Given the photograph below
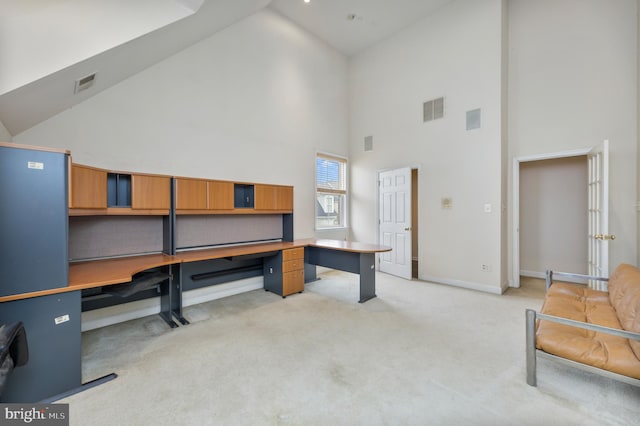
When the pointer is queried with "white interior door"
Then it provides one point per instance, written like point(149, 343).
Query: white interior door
point(395, 221)
point(599, 236)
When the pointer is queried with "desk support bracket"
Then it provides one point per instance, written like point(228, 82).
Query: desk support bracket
point(176, 299)
point(167, 296)
point(82, 387)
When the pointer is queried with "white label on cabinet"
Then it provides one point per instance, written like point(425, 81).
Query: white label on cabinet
point(35, 165)
point(61, 319)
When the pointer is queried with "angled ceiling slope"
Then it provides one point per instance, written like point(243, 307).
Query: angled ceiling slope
point(33, 93)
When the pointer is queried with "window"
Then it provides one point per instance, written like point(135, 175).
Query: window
point(331, 191)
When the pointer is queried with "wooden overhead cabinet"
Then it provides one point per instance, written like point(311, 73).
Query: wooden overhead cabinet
point(273, 197)
point(88, 188)
point(220, 195)
point(191, 194)
point(150, 192)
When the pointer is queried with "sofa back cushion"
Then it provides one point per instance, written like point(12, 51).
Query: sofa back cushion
point(624, 294)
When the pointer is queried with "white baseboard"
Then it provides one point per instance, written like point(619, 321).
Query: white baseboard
point(465, 284)
point(142, 308)
point(543, 276)
point(533, 274)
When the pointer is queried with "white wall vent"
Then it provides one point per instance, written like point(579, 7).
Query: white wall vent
point(433, 109)
point(368, 143)
point(474, 119)
point(85, 82)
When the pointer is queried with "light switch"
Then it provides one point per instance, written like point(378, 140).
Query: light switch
point(487, 208)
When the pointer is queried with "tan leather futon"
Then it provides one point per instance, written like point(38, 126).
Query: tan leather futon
point(603, 330)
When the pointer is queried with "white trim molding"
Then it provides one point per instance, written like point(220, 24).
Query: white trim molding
point(515, 203)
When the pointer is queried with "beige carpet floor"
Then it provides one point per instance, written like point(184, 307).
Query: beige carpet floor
point(418, 354)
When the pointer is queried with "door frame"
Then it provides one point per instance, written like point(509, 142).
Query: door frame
point(515, 203)
point(417, 167)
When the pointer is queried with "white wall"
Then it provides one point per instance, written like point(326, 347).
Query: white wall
point(5, 136)
point(572, 83)
point(252, 103)
point(455, 53)
point(553, 216)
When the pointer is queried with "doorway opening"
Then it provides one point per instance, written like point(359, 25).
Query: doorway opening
point(549, 208)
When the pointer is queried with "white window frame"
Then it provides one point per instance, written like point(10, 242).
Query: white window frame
point(324, 191)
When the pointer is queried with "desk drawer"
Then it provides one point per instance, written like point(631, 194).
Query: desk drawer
point(291, 254)
point(293, 265)
point(292, 282)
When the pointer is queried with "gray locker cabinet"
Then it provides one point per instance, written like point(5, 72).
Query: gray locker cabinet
point(33, 220)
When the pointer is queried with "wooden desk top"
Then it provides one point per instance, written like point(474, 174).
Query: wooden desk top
point(221, 252)
point(98, 273)
point(342, 245)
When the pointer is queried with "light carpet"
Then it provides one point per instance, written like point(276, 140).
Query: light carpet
point(418, 354)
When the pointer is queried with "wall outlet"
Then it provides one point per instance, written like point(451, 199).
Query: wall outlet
point(486, 268)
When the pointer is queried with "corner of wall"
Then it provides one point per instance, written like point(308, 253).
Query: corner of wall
point(5, 136)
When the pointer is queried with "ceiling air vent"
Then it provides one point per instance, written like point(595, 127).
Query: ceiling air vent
point(368, 143)
point(433, 109)
point(84, 82)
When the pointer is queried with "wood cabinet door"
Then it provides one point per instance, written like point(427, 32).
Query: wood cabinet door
point(220, 195)
point(88, 188)
point(273, 197)
point(284, 198)
point(191, 194)
point(265, 197)
point(150, 192)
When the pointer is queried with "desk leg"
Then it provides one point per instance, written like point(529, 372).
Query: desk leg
point(367, 277)
point(176, 304)
point(166, 300)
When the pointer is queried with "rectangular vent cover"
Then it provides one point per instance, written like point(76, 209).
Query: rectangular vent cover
point(433, 109)
point(474, 119)
point(84, 82)
point(368, 143)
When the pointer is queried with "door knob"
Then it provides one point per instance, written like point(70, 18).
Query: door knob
point(407, 229)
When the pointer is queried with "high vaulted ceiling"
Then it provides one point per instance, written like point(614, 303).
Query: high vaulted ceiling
point(46, 45)
point(353, 25)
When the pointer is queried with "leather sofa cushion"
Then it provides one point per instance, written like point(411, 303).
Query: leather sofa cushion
point(624, 293)
point(588, 347)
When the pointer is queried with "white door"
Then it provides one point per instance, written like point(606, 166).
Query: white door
point(599, 214)
point(395, 221)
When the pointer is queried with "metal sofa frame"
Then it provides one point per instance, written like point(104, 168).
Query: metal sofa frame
point(532, 353)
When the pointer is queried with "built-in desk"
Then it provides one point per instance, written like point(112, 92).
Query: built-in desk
point(63, 303)
point(96, 273)
point(349, 256)
point(53, 318)
point(121, 270)
point(358, 258)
